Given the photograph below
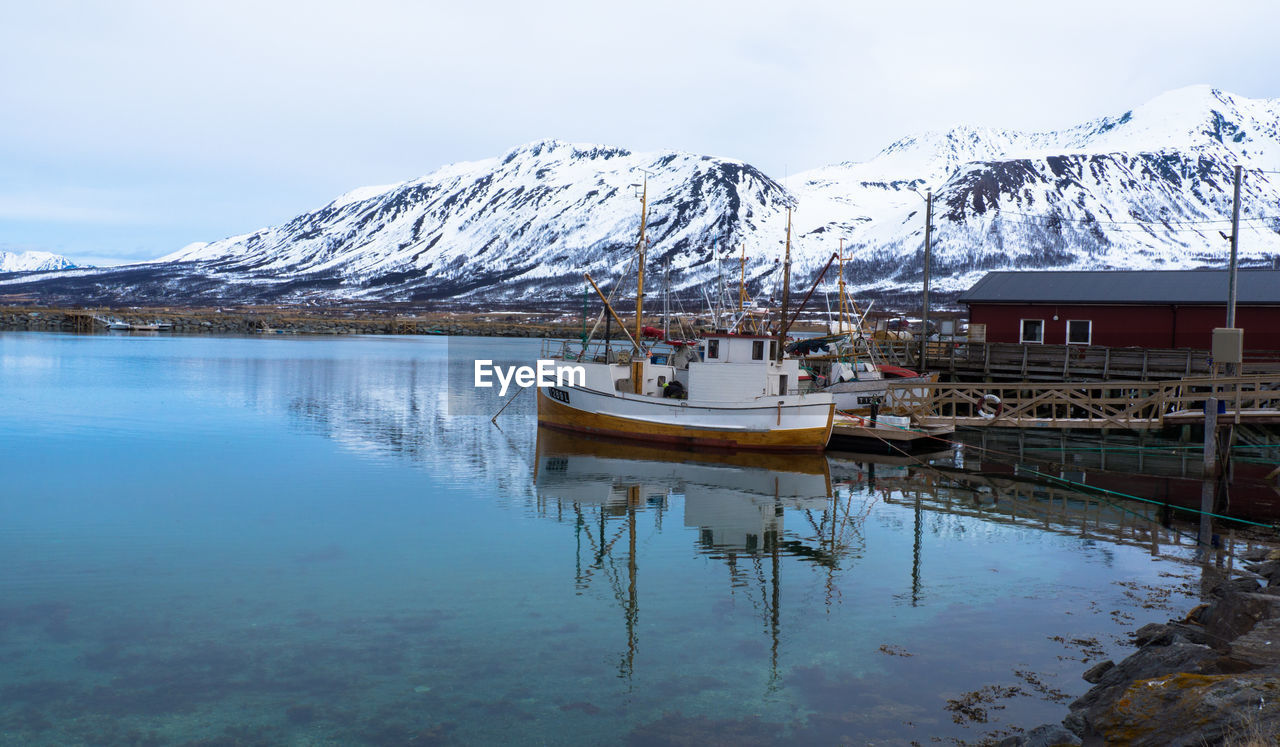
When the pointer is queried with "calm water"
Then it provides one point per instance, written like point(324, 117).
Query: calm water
point(292, 541)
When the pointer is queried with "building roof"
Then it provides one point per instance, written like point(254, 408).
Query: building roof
point(1124, 287)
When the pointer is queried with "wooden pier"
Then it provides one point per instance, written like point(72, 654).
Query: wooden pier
point(1125, 405)
point(964, 359)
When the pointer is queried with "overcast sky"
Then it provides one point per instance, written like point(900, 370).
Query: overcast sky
point(129, 129)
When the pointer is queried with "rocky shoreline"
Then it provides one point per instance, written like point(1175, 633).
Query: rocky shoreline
point(231, 322)
point(1210, 678)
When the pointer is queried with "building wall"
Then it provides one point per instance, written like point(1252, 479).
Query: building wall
point(1133, 326)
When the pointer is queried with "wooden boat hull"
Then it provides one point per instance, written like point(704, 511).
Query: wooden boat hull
point(806, 427)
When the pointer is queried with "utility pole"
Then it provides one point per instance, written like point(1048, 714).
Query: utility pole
point(840, 315)
point(1235, 245)
point(786, 294)
point(928, 253)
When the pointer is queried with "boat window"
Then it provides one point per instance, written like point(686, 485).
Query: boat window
point(1032, 330)
point(773, 350)
point(757, 350)
point(713, 348)
point(1079, 331)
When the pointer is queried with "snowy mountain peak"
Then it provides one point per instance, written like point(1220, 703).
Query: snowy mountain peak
point(551, 148)
point(33, 261)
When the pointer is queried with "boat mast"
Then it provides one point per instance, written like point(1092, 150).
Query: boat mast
point(842, 301)
point(644, 216)
point(742, 279)
point(786, 293)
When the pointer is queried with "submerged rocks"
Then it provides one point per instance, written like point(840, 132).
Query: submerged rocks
point(1045, 735)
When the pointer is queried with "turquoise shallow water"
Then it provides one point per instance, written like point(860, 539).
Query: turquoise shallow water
point(294, 541)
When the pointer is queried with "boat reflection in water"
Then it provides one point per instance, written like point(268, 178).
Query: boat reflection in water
point(736, 504)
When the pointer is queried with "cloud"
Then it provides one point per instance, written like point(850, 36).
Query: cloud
point(32, 208)
point(241, 113)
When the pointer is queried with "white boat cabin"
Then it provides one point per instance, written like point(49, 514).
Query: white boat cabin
point(720, 368)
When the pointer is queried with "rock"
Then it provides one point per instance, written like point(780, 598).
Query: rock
point(1260, 646)
point(1267, 569)
point(1149, 662)
point(1235, 614)
point(1157, 633)
point(1049, 735)
point(1192, 709)
point(1184, 632)
point(1097, 670)
point(1247, 585)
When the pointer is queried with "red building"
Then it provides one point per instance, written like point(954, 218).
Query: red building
point(1125, 308)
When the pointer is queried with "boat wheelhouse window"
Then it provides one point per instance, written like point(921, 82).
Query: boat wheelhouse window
point(713, 348)
point(773, 350)
point(1032, 331)
point(757, 350)
point(1079, 331)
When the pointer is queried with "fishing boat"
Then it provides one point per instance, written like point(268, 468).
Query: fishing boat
point(725, 390)
point(121, 325)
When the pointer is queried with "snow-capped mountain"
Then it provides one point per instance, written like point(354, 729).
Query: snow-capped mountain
point(32, 261)
point(531, 221)
point(1149, 188)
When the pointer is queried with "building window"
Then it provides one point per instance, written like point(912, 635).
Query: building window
point(757, 350)
point(713, 348)
point(1079, 331)
point(1032, 330)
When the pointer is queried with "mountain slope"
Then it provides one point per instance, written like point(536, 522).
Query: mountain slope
point(1149, 188)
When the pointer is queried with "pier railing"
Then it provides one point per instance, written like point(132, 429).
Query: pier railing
point(1133, 405)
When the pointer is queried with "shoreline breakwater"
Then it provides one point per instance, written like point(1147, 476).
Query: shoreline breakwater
point(242, 321)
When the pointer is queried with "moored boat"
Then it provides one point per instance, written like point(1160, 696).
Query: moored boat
point(727, 390)
point(717, 394)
